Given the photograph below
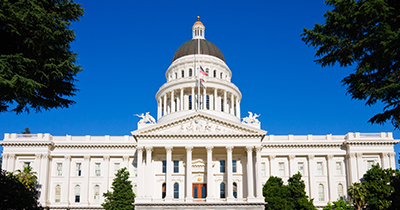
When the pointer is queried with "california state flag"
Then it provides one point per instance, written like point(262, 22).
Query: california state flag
point(203, 74)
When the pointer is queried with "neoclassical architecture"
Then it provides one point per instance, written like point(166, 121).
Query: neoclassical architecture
point(199, 153)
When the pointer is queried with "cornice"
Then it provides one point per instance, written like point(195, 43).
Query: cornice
point(95, 146)
point(16, 143)
point(302, 145)
point(197, 136)
point(370, 143)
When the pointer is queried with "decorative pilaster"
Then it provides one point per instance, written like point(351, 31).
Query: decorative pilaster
point(181, 108)
point(232, 109)
point(237, 108)
point(229, 182)
point(189, 196)
point(259, 193)
point(291, 164)
point(106, 160)
point(11, 160)
point(193, 99)
point(140, 175)
point(87, 164)
point(392, 159)
point(225, 103)
point(204, 99)
point(311, 176)
point(159, 109)
point(352, 168)
point(148, 178)
point(172, 102)
point(168, 174)
point(385, 160)
point(273, 166)
point(250, 183)
point(165, 105)
point(360, 165)
point(5, 161)
point(68, 177)
point(210, 175)
point(216, 99)
point(331, 179)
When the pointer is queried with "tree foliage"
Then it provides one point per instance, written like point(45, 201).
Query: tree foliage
point(27, 177)
point(357, 194)
point(286, 197)
point(37, 66)
point(122, 196)
point(366, 34)
point(14, 194)
point(339, 205)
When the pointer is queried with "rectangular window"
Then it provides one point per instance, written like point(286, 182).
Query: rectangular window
point(59, 169)
point(164, 166)
point(319, 168)
point(338, 168)
point(281, 169)
point(190, 102)
point(208, 102)
point(27, 164)
point(97, 169)
point(176, 166)
point(263, 169)
point(369, 164)
point(79, 169)
point(135, 167)
point(116, 167)
point(234, 170)
point(222, 166)
point(222, 105)
point(300, 168)
point(183, 74)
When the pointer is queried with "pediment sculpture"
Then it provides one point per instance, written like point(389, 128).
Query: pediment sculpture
point(146, 119)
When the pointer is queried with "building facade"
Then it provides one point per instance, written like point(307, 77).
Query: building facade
point(199, 153)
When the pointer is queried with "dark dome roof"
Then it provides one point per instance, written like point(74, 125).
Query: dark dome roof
point(206, 48)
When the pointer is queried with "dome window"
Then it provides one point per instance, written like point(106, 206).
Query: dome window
point(190, 72)
point(215, 73)
point(183, 73)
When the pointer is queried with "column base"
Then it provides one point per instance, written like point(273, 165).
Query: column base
point(188, 199)
point(210, 199)
point(252, 199)
point(230, 199)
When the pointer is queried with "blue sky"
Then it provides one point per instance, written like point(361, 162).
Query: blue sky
point(125, 47)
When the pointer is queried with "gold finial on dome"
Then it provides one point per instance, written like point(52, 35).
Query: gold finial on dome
point(198, 18)
point(198, 21)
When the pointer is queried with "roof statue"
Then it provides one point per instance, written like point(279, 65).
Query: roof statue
point(146, 119)
point(251, 119)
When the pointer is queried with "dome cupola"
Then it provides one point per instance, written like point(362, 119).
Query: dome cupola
point(198, 29)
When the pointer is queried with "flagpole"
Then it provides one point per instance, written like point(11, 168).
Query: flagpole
point(193, 97)
point(198, 73)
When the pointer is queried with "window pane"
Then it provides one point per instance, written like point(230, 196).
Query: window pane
point(222, 190)
point(222, 166)
point(340, 191)
point(78, 169)
point(58, 193)
point(281, 169)
point(164, 166)
point(176, 166)
point(321, 192)
point(97, 169)
point(263, 169)
point(369, 164)
point(176, 190)
point(301, 167)
point(163, 190)
point(319, 168)
point(190, 72)
point(234, 166)
point(195, 191)
point(338, 168)
point(190, 102)
point(235, 190)
point(59, 169)
point(96, 193)
point(203, 191)
point(77, 193)
point(116, 167)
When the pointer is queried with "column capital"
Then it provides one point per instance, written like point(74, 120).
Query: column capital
point(86, 157)
point(249, 148)
point(272, 157)
point(189, 148)
point(38, 156)
point(169, 148)
point(45, 156)
point(229, 148)
point(5, 156)
point(149, 148)
point(292, 157)
point(209, 148)
point(392, 154)
point(125, 157)
point(359, 154)
point(106, 157)
point(385, 154)
point(351, 155)
point(311, 157)
point(329, 157)
point(258, 148)
point(67, 157)
point(140, 148)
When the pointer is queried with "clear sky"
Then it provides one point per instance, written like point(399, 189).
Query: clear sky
point(125, 48)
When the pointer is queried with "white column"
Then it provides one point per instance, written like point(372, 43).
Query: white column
point(149, 175)
point(189, 196)
point(5, 162)
point(204, 98)
point(193, 99)
point(352, 168)
point(168, 174)
point(272, 165)
point(172, 102)
point(165, 105)
point(259, 184)
point(215, 99)
point(292, 165)
point(106, 160)
point(360, 165)
point(229, 172)
point(140, 181)
point(182, 107)
point(385, 160)
point(68, 175)
point(237, 108)
point(311, 175)
point(87, 164)
point(44, 178)
point(225, 103)
point(331, 179)
point(249, 176)
point(11, 159)
point(159, 109)
point(232, 109)
point(178, 103)
point(126, 161)
point(392, 160)
point(210, 175)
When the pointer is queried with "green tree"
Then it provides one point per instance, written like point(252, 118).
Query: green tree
point(122, 196)
point(363, 33)
point(379, 187)
point(37, 66)
point(339, 205)
point(27, 177)
point(297, 194)
point(357, 194)
point(14, 194)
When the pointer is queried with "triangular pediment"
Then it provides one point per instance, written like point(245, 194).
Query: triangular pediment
point(199, 124)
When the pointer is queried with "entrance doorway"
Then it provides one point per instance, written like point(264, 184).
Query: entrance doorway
point(199, 190)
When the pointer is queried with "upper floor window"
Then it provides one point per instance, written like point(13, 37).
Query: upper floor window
point(176, 75)
point(369, 164)
point(163, 190)
point(116, 167)
point(222, 105)
point(190, 102)
point(190, 72)
point(222, 190)
point(235, 190)
point(183, 73)
point(222, 166)
point(164, 166)
point(79, 169)
point(97, 169)
point(176, 190)
point(340, 191)
point(234, 170)
point(135, 167)
point(176, 166)
point(207, 102)
point(207, 71)
point(96, 193)
point(281, 169)
point(220, 75)
point(300, 167)
point(319, 168)
point(215, 73)
point(338, 168)
point(27, 164)
point(77, 194)
point(58, 194)
point(262, 169)
point(59, 169)
point(321, 196)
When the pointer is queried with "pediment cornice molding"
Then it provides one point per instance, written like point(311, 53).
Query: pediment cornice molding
point(16, 143)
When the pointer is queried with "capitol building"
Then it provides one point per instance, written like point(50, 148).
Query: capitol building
point(199, 152)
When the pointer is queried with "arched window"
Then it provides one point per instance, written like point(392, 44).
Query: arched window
point(135, 189)
point(77, 194)
point(183, 73)
point(190, 72)
point(195, 188)
point(220, 75)
point(340, 191)
point(208, 102)
point(58, 193)
point(176, 75)
point(321, 196)
point(235, 190)
point(222, 105)
point(222, 190)
point(164, 186)
point(203, 191)
point(96, 193)
point(215, 73)
point(176, 190)
point(190, 102)
point(207, 71)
